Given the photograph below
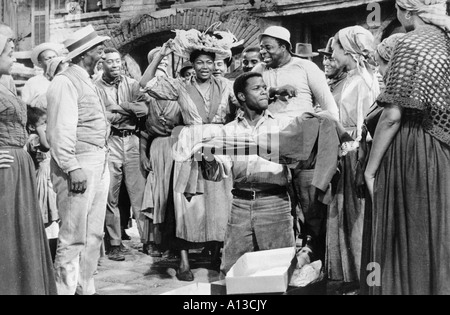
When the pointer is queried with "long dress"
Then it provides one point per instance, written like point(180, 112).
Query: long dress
point(346, 213)
point(204, 217)
point(25, 262)
point(411, 217)
point(162, 118)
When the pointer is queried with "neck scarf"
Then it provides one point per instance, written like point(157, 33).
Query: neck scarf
point(360, 44)
point(333, 82)
point(116, 82)
point(430, 11)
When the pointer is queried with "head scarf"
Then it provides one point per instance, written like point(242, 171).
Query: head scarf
point(387, 46)
point(3, 42)
point(53, 66)
point(360, 44)
point(430, 11)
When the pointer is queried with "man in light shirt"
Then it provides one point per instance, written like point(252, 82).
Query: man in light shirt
point(78, 130)
point(261, 216)
point(34, 92)
point(125, 105)
point(295, 86)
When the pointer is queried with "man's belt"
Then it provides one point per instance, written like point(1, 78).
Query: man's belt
point(253, 195)
point(122, 133)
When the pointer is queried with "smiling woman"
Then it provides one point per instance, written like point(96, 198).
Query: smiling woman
point(27, 272)
point(209, 102)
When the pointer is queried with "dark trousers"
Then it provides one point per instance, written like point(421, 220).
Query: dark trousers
point(314, 212)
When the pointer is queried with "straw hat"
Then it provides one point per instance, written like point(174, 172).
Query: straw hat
point(38, 50)
point(305, 50)
point(83, 40)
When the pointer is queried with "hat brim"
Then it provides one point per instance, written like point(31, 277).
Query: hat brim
point(40, 49)
point(86, 47)
point(324, 52)
point(309, 55)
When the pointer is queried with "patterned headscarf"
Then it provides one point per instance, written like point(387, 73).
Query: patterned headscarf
point(360, 44)
point(430, 11)
point(387, 46)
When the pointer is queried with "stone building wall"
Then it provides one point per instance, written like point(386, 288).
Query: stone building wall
point(137, 26)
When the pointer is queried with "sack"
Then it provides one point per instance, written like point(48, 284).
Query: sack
point(372, 118)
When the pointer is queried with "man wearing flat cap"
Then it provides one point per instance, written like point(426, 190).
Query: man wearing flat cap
point(35, 90)
point(77, 132)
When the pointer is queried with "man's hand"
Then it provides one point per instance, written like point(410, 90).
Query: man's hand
point(167, 48)
point(78, 181)
point(5, 159)
point(146, 165)
point(285, 92)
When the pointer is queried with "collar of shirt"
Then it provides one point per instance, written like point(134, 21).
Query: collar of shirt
point(82, 71)
point(291, 60)
point(266, 116)
point(115, 82)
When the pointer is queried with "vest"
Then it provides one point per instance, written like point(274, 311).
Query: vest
point(93, 126)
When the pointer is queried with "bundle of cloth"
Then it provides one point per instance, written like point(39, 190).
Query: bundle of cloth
point(292, 143)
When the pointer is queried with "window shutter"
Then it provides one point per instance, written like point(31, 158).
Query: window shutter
point(111, 4)
point(40, 18)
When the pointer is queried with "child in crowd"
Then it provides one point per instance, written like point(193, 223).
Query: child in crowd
point(39, 148)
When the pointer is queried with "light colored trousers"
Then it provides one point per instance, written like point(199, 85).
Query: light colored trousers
point(124, 164)
point(82, 223)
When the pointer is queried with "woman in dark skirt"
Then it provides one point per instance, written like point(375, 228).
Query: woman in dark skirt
point(408, 173)
point(25, 261)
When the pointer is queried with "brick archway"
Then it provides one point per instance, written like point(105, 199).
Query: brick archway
point(134, 32)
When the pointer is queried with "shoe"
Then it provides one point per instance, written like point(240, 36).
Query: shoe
point(186, 276)
point(124, 250)
point(115, 254)
point(168, 254)
point(154, 251)
point(145, 249)
point(125, 236)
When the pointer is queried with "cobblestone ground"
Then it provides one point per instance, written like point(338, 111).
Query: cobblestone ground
point(141, 274)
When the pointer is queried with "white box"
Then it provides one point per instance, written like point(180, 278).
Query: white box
point(193, 289)
point(262, 272)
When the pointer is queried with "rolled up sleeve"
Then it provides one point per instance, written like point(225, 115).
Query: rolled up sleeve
point(138, 105)
point(162, 88)
point(62, 121)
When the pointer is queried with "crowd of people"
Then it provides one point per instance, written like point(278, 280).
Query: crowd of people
point(359, 170)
